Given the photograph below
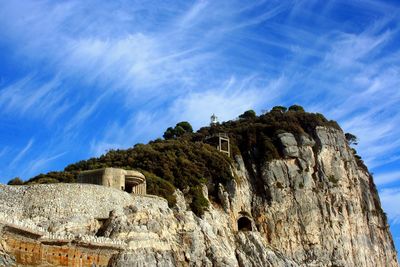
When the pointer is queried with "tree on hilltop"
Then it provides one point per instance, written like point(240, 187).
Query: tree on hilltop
point(169, 133)
point(180, 129)
point(351, 139)
point(296, 108)
point(186, 126)
point(15, 181)
point(249, 114)
point(279, 108)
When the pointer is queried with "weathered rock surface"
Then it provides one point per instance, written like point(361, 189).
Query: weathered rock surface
point(315, 207)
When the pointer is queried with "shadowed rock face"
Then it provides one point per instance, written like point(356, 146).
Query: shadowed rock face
point(319, 209)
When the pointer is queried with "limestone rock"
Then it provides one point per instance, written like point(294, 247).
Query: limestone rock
point(6, 259)
point(289, 144)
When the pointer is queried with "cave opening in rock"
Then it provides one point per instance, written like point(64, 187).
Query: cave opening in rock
point(102, 226)
point(244, 224)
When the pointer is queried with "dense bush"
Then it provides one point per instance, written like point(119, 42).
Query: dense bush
point(15, 181)
point(199, 203)
point(249, 114)
point(279, 108)
point(296, 108)
point(180, 129)
point(160, 187)
point(169, 133)
point(53, 177)
point(185, 126)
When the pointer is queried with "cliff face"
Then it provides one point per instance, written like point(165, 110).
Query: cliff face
point(321, 208)
point(314, 207)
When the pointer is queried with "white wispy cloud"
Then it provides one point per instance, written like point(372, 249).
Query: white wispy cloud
point(29, 97)
point(390, 199)
point(144, 125)
point(193, 13)
point(22, 153)
point(4, 151)
point(228, 100)
point(351, 48)
point(40, 163)
point(382, 179)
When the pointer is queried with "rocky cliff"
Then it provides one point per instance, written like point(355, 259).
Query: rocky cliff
point(315, 206)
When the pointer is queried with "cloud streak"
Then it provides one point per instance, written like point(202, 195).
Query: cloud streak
point(390, 199)
point(42, 162)
point(387, 178)
point(22, 153)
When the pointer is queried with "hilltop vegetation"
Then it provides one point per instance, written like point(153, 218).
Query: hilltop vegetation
point(184, 160)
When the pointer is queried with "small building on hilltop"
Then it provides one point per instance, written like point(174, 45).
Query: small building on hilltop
point(127, 180)
point(221, 142)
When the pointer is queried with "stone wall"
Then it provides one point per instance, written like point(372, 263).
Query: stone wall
point(61, 200)
point(35, 253)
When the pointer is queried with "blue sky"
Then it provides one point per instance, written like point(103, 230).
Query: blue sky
point(80, 77)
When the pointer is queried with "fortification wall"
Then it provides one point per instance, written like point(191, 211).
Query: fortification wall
point(110, 177)
point(61, 200)
point(91, 177)
point(31, 252)
point(114, 178)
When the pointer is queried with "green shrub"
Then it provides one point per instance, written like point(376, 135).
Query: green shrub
point(15, 181)
point(199, 202)
point(160, 187)
point(296, 108)
point(169, 133)
point(333, 179)
point(53, 177)
point(249, 114)
point(46, 180)
point(185, 126)
point(180, 129)
point(279, 108)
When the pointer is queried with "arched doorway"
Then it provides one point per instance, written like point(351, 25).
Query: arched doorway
point(244, 224)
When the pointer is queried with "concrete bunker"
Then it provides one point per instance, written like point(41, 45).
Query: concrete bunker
point(127, 180)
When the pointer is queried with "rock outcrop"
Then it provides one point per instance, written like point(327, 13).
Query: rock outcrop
point(314, 207)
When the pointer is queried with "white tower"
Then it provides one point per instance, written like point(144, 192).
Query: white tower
point(214, 119)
